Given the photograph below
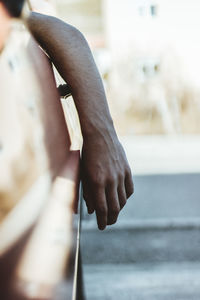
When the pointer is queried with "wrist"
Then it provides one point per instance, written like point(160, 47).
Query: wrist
point(105, 130)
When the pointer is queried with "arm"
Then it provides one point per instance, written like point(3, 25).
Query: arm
point(107, 180)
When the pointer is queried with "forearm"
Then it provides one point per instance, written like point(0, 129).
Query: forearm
point(72, 57)
point(106, 176)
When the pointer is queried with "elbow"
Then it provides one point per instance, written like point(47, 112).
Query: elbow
point(76, 34)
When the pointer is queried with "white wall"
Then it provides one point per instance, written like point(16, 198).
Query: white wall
point(176, 27)
point(139, 40)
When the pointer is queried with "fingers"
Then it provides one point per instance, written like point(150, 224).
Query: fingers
point(117, 197)
point(107, 197)
point(87, 195)
point(107, 200)
point(122, 194)
point(101, 208)
point(113, 204)
point(89, 203)
point(129, 186)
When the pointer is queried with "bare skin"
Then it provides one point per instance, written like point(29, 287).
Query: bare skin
point(106, 175)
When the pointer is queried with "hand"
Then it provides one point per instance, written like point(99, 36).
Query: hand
point(106, 177)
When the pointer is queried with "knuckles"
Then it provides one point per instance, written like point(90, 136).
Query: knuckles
point(106, 175)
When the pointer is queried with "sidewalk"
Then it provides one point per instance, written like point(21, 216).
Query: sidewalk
point(163, 154)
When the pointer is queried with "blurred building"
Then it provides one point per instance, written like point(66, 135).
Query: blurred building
point(155, 48)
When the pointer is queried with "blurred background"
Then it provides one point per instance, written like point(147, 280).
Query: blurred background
point(148, 53)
